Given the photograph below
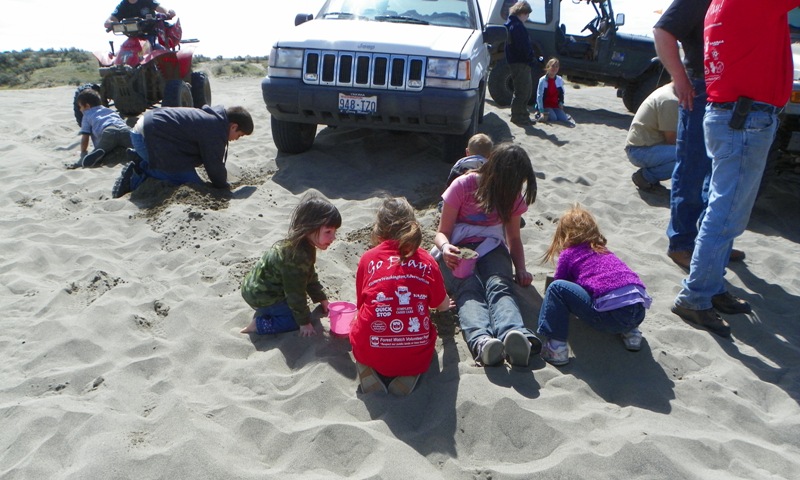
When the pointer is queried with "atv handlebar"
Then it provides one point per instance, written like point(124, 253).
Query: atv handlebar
point(136, 26)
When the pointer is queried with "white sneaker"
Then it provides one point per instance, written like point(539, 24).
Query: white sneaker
point(632, 340)
point(517, 348)
point(557, 356)
point(490, 351)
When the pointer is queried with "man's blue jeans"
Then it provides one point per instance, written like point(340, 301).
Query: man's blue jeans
point(690, 177)
point(738, 160)
point(175, 178)
point(563, 298)
point(656, 161)
point(485, 299)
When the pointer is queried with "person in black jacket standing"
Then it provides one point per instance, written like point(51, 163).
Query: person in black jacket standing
point(520, 58)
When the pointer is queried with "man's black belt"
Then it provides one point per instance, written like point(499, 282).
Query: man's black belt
point(757, 106)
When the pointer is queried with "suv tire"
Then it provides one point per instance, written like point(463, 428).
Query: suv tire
point(292, 137)
point(637, 91)
point(500, 87)
point(454, 145)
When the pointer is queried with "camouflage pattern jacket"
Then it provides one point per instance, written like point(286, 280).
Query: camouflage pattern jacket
point(283, 273)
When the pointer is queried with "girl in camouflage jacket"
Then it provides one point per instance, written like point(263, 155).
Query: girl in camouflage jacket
point(277, 285)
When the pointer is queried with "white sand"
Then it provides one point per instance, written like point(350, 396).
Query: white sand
point(122, 357)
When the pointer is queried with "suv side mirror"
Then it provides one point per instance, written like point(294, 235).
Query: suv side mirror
point(495, 34)
point(620, 21)
point(302, 18)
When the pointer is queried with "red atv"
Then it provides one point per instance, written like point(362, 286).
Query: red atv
point(149, 68)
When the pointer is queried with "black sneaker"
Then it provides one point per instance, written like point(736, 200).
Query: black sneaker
point(136, 160)
point(93, 158)
point(123, 183)
point(523, 121)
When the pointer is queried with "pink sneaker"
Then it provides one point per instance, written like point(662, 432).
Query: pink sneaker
point(557, 356)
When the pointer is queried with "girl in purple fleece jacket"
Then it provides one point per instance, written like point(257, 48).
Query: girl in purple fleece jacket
point(591, 283)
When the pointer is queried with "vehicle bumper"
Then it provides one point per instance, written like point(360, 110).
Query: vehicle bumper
point(432, 110)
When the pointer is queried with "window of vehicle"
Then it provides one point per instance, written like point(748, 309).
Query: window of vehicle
point(541, 10)
point(448, 13)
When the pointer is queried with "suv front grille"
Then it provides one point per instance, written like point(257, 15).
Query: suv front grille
point(364, 70)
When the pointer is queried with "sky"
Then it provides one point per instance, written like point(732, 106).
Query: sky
point(251, 29)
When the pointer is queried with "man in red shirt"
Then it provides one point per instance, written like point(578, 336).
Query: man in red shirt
point(748, 80)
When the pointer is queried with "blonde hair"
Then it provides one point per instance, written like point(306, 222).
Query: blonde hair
point(551, 62)
point(480, 144)
point(520, 8)
point(396, 221)
point(576, 226)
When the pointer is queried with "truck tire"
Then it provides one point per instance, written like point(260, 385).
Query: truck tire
point(500, 88)
point(177, 94)
point(454, 145)
point(75, 108)
point(636, 92)
point(292, 137)
point(201, 89)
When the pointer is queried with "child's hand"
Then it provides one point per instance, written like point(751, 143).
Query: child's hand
point(446, 304)
point(451, 255)
point(324, 304)
point(524, 278)
point(307, 330)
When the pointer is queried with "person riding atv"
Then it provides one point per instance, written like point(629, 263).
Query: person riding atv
point(150, 66)
point(136, 8)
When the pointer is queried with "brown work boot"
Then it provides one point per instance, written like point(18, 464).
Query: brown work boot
point(730, 303)
point(708, 319)
point(682, 258)
point(736, 255)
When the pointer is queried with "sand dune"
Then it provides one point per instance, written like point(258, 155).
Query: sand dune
point(121, 319)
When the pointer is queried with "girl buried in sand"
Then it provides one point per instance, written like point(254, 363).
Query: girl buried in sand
point(277, 285)
point(591, 283)
point(397, 283)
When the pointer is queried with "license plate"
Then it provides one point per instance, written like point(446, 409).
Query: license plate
point(358, 104)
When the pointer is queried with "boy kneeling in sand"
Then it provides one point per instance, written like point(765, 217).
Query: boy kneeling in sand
point(104, 126)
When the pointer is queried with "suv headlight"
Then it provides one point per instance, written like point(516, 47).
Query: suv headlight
point(448, 73)
point(285, 62)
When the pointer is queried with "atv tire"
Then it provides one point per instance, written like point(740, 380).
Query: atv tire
point(292, 137)
point(177, 94)
point(637, 91)
point(201, 89)
point(75, 107)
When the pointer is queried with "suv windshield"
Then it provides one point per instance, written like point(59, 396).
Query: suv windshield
point(446, 13)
